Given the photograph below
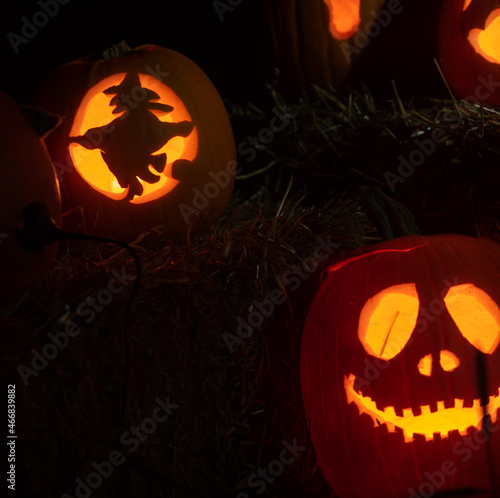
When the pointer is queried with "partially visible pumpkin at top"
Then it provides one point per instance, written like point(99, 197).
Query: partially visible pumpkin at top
point(146, 140)
point(306, 41)
point(469, 48)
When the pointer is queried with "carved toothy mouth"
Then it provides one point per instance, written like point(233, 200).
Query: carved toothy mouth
point(442, 421)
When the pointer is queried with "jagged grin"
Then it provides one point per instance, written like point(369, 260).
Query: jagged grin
point(442, 421)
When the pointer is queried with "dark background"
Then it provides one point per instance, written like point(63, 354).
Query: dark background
point(81, 28)
point(231, 51)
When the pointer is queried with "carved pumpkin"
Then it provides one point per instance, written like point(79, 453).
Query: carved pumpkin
point(307, 41)
point(469, 47)
point(27, 177)
point(400, 364)
point(146, 140)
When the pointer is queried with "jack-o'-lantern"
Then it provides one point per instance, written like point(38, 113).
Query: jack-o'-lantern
point(28, 178)
point(400, 368)
point(145, 141)
point(307, 41)
point(469, 48)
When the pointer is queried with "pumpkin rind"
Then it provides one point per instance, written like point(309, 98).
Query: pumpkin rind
point(212, 169)
point(298, 42)
point(27, 177)
point(362, 457)
point(469, 75)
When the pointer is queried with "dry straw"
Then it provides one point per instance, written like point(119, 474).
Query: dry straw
point(235, 407)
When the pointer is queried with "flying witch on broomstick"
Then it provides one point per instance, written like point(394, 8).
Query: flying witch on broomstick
point(122, 145)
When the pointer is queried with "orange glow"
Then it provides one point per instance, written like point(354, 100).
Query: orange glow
point(387, 320)
point(425, 365)
point(466, 4)
point(442, 421)
point(448, 360)
point(344, 17)
point(476, 315)
point(95, 111)
point(487, 42)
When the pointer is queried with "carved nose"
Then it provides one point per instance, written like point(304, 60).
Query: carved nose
point(447, 360)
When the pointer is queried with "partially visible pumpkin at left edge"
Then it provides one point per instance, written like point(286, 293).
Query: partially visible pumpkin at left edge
point(27, 177)
point(145, 141)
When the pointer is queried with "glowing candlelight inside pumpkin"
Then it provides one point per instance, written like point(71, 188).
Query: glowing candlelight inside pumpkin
point(486, 42)
point(344, 17)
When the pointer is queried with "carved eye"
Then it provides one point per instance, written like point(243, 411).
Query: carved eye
point(388, 319)
point(344, 18)
point(476, 315)
point(485, 41)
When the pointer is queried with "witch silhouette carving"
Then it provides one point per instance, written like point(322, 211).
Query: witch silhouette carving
point(123, 148)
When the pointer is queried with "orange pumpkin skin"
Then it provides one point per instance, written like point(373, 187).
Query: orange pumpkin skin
point(469, 74)
point(27, 177)
point(294, 37)
point(203, 180)
point(366, 450)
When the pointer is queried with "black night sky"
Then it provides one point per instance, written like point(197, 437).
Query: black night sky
point(226, 43)
point(78, 29)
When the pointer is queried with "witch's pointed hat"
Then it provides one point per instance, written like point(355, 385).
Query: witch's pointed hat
point(129, 87)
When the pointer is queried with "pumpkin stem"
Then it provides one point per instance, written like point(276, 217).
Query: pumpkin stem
point(41, 121)
point(118, 50)
point(392, 218)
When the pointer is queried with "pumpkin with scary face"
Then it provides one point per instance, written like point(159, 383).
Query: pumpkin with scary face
point(145, 141)
point(400, 368)
point(469, 48)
